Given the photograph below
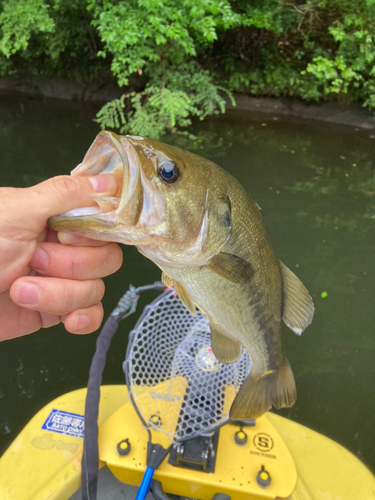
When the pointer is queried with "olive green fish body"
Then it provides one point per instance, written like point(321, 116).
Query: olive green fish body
point(196, 222)
point(249, 312)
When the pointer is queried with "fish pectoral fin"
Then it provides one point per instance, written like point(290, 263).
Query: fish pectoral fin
point(231, 267)
point(185, 298)
point(257, 395)
point(298, 309)
point(225, 349)
point(166, 279)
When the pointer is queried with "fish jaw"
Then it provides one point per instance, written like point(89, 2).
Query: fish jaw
point(102, 227)
point(125, 217)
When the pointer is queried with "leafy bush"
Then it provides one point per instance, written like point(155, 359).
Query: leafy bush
point(156, 42)
point(350, 71)
point(19, 20)
point(176, 59)
point(322, 49)
point(159, 108)
point(49, 38)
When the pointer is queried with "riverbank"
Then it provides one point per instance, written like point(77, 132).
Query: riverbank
point(353, 115)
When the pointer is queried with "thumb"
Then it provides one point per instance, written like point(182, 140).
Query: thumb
point(60, 194)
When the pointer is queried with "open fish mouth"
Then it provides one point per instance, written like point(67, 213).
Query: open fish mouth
point(133, 215)
point(109, 154)
point(105, 156)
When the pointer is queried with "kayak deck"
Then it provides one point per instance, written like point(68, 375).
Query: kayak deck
point(44, 462)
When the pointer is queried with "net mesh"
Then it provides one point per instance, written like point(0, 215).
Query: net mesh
point(175, 381)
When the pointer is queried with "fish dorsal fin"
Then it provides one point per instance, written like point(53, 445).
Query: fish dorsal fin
point(231, 267)
point(298, 310)
point(225, 349)
point(185, 298)
point(166, 279)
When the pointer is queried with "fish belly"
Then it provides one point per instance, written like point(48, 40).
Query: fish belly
point(235, 313)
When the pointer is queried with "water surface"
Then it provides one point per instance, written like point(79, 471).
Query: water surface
point(315, 183)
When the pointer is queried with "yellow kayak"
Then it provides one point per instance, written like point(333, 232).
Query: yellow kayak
point(276, 458)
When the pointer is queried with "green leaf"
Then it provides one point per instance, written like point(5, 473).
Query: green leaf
point(19, 19)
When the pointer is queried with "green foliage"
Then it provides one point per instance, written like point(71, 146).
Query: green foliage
point(351, 69)
point(324, 49)
point(140, 33)
point(156, 41)
point(19, 19)
point(53, 38)
point(178, 58)
point(158, 109)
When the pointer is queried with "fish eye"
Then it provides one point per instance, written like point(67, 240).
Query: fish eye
point(168, 172)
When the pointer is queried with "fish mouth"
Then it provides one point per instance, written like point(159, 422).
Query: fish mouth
point(116, 155)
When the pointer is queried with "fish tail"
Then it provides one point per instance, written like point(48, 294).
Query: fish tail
point(257, 395)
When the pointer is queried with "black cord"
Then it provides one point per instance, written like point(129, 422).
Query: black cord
point(90, 457)
point(157, 490)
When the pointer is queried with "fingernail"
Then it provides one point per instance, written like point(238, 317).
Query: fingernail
point(39, 260)
point(104, 183)
point(81, 322)
point(27, 293)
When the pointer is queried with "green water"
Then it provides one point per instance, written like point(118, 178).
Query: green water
point(320, 211)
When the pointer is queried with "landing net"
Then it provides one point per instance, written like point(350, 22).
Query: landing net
point(174, 379)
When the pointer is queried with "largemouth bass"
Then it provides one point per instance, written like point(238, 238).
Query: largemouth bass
point(196, 222)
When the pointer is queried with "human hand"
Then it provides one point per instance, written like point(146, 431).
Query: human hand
point(42, 281)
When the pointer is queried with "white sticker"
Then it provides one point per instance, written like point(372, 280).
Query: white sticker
point(66, 423)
